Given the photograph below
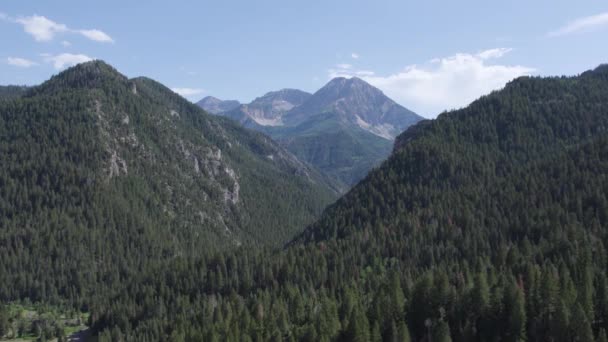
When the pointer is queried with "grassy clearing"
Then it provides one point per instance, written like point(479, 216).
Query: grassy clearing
point(32, 322)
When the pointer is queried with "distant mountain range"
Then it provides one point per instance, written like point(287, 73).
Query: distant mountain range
point(344, 129)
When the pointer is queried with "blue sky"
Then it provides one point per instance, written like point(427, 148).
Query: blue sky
point(428, 56)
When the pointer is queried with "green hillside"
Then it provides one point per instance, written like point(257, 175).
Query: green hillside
point(103, 175)
point(487, 224)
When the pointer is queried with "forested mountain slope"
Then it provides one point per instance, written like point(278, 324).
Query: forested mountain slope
point(11, 92)
point(101, 175)
point(451, 169)
point(488, 223)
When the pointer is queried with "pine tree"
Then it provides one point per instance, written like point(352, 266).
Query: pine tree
point(601, 337)
point(404, 333)
point(441, 333)
point(516, 311)
point(358, 326)
point(4, 324)
point(561, 326)
point(396, 297)
point(581, 327)
point(376, 335)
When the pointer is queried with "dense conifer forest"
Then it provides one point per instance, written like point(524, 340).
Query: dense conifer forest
point(486, 224)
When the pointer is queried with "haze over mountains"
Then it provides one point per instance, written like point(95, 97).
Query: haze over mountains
point(344, 129)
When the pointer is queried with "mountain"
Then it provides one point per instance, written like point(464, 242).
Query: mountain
point(357, 102)
point(344, 129)
point(269, 109)
point(102, 174)
point(215, 106)
point(183, 167)
point(495, 213)
point(487, 224)
point(467, 152)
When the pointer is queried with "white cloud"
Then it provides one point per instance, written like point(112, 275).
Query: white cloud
point(186, 92)
point(493, 53)
point(96, 35)
point(585, 24)
point(66, 43)
point(20, 62)
point(44, 29)
point(443, 83)
point(65, 60)
point(41, 28)
point(354, 55)
point(344, 66)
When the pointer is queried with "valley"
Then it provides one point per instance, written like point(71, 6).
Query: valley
point(313, 171)
point(344, 129)
point(479, 224)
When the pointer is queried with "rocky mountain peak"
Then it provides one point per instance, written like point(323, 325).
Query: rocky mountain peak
point(357, 102)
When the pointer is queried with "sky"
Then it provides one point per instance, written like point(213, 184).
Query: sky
point(429, 56)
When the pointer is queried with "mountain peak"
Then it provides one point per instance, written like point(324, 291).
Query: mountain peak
point(214, 105)
point(355, 101)
point(341, 80)
point(87, 75)
point(293, 96)
point(352, 87)
point(94, 68)
point(210, 99)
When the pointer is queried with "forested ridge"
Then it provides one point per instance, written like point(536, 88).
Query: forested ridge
point(486, 224)
point(11, 92)
point(102, 176)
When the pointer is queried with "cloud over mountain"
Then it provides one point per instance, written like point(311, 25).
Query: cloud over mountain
point(443, 83)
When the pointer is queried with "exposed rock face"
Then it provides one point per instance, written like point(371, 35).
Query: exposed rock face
point(117, 165)
point(355, 101)
point(344, 129)
point(232, 195)
point(269, 109)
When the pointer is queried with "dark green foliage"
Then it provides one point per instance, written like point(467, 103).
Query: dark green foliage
point(12, 92)
point(4, 323)
point(102, 177)
point(441, 333)
point(487, 224)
